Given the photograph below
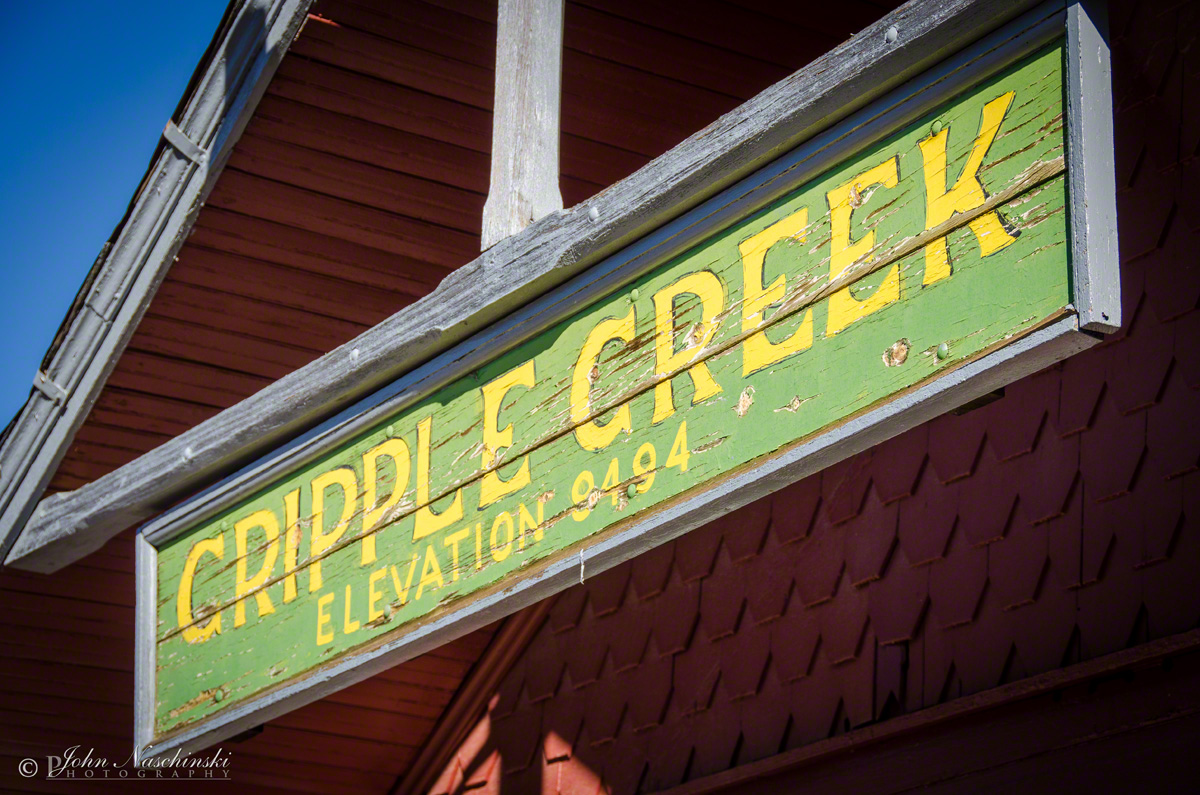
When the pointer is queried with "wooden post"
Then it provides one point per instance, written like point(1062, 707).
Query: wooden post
point(525, 121)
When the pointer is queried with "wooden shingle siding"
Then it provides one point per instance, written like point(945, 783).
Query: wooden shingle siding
point(359, 183)
point(357, 186)
point(975, 563)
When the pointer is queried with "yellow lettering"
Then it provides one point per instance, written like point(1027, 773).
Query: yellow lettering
point(194, 632)
point(643, 467)
point(430, 574)
point(679, 455)
point(502, 551)
point(291, 542)
point(376, 515)
point(525, 522)
point(587, 369)
point(374, 594)
point(428, 522)
point(349, 625)
point(478, 546)
point(707, 287)
point(323, 619)
point(452, 541)
point(402, 592)
point(581, 492)
point(492, 487)
point(757, 350)
point(344, 479)
point(967, 193)
point(844, 308)
point(246, 585)
point(612, 479)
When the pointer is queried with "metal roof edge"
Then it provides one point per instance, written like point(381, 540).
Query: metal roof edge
point(198, 139)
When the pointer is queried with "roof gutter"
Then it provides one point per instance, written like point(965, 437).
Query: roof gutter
point(198, 139)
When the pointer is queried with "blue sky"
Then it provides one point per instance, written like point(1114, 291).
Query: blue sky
point(86, 88)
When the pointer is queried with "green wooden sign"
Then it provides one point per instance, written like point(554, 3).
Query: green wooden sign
point(944, 242)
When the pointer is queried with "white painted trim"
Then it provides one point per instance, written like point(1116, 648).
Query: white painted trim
point(1091, 168)
point(517, 271)
point(128, 272)
point(1023, 357)
point(145, 622)
point(857, 132)
point(1017, 359)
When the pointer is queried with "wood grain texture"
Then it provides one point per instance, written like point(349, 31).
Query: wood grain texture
point(319, 593)
point(130, 267)
point(525, 118)
point(510, 274)
point(1094, 191)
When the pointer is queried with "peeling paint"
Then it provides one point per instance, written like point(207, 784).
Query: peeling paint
point(896, 353)
point(745, 401)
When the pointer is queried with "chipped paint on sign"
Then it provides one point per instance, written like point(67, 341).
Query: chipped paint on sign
point(943, 242)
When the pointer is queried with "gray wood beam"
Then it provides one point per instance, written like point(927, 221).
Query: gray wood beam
point(525, 120)
point(198, 140)
point(512, 273)
point(1093, 187)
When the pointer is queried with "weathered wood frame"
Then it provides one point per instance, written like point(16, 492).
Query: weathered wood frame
point(525, 124)
point(197, 142)
point(67, 526)
point(1095, 273)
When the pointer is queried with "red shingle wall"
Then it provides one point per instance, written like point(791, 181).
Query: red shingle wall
point(1055, 525)
point(66, 679)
